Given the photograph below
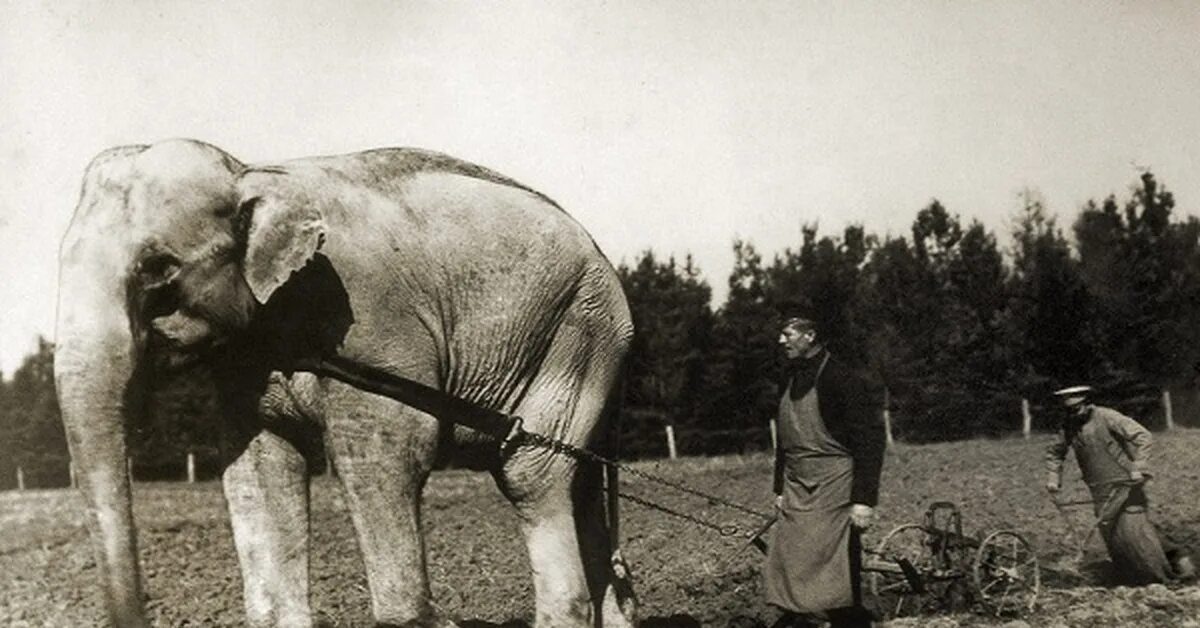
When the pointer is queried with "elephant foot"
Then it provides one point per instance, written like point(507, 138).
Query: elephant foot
point(439, 623)
point(404, 617)
point(426, 619)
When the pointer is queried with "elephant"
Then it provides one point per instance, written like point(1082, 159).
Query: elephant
point(406, 261)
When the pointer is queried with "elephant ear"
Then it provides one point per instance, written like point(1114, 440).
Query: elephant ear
point(281, 237)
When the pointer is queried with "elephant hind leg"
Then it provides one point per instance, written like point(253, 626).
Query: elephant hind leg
point(567, 538)
point(561, 500)
point(559, 576)
point(266, 491)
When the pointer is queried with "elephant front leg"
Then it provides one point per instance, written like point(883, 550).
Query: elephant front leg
point(266, 489)
point(383, 452)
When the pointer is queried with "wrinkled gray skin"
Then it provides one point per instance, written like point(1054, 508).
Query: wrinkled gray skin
point(404, 260)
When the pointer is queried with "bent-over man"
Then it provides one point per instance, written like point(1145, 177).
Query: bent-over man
point(1113, 454)
point(829, 454)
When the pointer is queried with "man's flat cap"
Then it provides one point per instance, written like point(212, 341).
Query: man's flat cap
point(1073, 391)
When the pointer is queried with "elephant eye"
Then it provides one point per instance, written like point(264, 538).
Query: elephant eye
point(157, 270)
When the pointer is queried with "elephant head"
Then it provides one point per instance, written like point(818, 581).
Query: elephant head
point(162, 254)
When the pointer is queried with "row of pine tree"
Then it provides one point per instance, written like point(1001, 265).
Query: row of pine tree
point(954, 326)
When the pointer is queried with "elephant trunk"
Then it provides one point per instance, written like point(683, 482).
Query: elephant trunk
point(94, 368)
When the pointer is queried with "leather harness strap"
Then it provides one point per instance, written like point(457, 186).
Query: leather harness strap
point(443, 406)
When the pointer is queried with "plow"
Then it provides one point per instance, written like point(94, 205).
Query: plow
point(933, 566)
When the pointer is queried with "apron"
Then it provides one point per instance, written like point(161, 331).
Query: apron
point(808, 561)
point(1130, 538)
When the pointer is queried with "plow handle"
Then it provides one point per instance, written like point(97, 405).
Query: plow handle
point(911, 575)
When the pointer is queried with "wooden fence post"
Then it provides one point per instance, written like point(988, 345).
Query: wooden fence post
point(671, 441)
point(887, 416)
point(20, 479)
point(774, 436)
point(1026, 418)
point(191, 467)
point(1166, 402)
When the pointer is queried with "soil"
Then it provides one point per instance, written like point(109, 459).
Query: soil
point(686, 574)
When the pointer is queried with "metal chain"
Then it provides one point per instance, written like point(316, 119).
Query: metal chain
point(723, 530)
point(580, 453)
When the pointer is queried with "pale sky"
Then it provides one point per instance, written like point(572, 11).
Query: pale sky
point(675, 126)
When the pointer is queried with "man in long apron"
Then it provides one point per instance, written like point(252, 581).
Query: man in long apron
point(1113, 453)
point(830, 445)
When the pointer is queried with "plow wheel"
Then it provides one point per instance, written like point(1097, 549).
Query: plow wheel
point(896, 593)
point(1006, 574)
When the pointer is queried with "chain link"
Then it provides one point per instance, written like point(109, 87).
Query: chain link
point(723, 530)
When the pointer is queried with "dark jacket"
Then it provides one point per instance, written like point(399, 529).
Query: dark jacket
point(851, 410)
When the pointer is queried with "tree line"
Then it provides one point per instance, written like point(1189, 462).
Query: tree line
point(954, 325)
